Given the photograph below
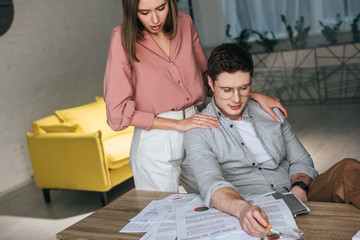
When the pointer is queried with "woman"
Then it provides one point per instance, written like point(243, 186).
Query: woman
point(154, 78)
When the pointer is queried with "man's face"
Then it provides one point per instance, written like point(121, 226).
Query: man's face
point(231, 93)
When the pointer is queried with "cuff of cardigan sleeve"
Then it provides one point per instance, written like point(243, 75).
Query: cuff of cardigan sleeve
point(304, 169)
point(143, 120)
point(213, 188)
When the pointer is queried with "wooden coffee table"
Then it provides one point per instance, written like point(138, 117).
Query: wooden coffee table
point(325, 221)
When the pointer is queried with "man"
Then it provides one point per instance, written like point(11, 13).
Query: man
point(250, 153)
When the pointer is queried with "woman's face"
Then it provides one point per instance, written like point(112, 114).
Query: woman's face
point(152, 14)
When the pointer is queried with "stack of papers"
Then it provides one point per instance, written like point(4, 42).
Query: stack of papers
point(185, 217)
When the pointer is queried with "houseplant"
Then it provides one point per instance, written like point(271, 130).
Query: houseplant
point(355, 28)
point(265, 41)
point(299, 41)
point(330, 31)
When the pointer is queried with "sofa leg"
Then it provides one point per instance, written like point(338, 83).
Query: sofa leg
point(104, 198)
point(46, 193)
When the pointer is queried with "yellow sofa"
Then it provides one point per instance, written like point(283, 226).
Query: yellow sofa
point(75, 149)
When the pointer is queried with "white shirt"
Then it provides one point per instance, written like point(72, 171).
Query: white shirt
point(252, 141)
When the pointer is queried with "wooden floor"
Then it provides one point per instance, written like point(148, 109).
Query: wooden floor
point(24, 215)
point(328, 132)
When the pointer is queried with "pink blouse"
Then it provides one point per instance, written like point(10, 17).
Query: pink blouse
point(135, 92)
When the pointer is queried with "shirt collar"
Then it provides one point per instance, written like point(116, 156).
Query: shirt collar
point(149, 43)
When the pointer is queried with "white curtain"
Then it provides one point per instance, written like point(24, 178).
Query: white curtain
point(264, 15)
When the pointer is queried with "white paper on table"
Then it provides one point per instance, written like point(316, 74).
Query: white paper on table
point(153, 213)
point(138, 226)
point(278, 213)
point(163, 230)
point(180, 195)
point(168, 205)
point(209, 224)
point(242, 235)
point(163, 207)
point(182, 200)
point(279, 216)
point(149, 213)
point(192, 223)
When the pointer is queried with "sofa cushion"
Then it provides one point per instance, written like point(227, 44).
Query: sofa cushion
point(91, 117)
point(46, 121)
point(117, 150)
point(127, 130)
point(61, 127)
point(99, 99)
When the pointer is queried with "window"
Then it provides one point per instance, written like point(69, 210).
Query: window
point(264, 15)
point(186, 6)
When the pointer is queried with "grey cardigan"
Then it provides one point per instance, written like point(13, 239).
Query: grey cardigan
point(219, 157)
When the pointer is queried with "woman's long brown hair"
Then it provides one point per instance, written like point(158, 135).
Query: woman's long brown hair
point(132, 27)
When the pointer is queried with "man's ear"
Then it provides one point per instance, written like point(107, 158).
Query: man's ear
point(211, 84)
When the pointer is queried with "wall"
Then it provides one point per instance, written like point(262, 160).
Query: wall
point(210, 23)
point(52, 57)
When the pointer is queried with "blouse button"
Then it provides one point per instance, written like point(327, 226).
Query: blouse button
point(188, 99)
point(178, 81)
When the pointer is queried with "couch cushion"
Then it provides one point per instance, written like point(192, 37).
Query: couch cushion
point(46, 121)
point(91, 117)
point(99, 99)
point(117, 150)
point(61, 127)
point(127, 130)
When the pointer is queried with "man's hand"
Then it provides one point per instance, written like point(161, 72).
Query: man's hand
point(297, 190)
point(253, 220)
point(300, 193)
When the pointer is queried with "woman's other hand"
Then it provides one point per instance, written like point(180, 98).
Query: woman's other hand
point(268, 103)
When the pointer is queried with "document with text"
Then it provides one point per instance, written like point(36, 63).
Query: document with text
point(185, 217)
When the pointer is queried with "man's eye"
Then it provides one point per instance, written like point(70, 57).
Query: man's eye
point(227, 90)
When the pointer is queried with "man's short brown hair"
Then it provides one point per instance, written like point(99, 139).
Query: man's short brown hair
point(229, 57)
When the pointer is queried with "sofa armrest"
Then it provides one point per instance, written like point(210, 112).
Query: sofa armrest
point(69, 161)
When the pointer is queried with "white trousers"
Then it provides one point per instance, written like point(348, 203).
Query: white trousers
point(156, 155)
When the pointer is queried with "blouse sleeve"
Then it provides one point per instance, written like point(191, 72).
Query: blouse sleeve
point(119, 89)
